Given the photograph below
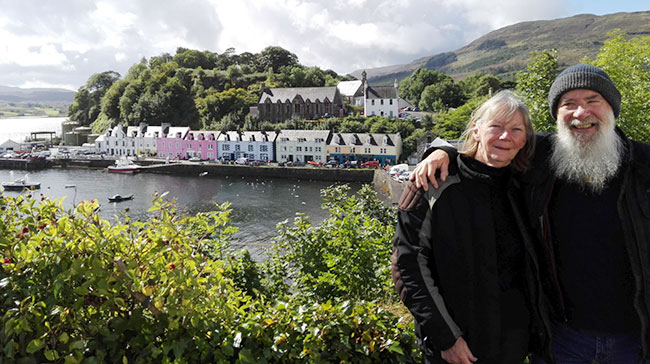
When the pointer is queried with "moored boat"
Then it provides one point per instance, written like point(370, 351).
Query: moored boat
point(120, 198)
point(124, 166)
point(21, 184)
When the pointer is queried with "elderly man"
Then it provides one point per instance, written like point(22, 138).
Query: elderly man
point(588, 201)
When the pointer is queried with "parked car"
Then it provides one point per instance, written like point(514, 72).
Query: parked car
point(314, 163)
point(331, 164)
point(241, 161)
point(351, 164)
point(398, 169)
point(194, 159)
point(370, 164)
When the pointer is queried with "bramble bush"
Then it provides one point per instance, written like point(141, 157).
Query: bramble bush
point(77, 289)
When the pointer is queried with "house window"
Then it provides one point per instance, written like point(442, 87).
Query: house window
point(391, 101)
point(318, 149)
point(381, 102)
point(264, 148)
point(226, 147)
point(366, 150)
point(189, 146)
point(250, 147)
point(177, 145)
point(237, 147)
point(209, 155)
point(372, 102)
point(301, 140)
point(298, 149)
point(209, 146)
point(264, 156)
point(337, 149)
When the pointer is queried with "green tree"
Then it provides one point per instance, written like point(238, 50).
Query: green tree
point(216, 106)
point(534, 83)
point(627, 61)
point(412, 86)
point(276, 58)
point(443, 94)
point(450, 125)
point(87, 105)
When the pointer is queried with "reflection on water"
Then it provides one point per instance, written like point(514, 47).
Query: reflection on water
point(257, 204)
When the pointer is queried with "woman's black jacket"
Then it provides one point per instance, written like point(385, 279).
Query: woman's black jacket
point(445, 269)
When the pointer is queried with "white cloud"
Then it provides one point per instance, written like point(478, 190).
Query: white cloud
point(52, 43)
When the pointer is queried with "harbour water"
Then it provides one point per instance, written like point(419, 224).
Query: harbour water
point(257, 204)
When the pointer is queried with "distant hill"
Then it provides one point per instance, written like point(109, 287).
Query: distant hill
point(35, 95)
point(505, 51)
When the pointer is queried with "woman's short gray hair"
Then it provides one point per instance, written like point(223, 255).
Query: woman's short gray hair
point(503, 105)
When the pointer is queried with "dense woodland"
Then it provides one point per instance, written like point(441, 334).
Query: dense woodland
point(211, 91)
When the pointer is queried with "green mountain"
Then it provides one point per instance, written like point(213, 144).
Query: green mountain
point(505, 51)
point(35, 95)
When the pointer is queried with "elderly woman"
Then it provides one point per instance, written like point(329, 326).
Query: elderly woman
point(463, 263)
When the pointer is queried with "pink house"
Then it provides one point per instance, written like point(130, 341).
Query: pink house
point(201, 144)
point(172, 142)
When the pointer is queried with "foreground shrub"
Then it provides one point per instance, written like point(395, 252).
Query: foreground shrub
point(76, 289)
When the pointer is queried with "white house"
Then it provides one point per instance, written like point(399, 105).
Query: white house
point(380, 100)
point(146, 139)
point(254, 145)
point(302, 145)
point(115, 142)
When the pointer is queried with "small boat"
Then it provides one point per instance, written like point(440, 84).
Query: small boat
point(124, 166)
point(120, 198)
point(21, 184)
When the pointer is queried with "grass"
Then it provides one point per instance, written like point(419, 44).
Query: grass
point(11, 110)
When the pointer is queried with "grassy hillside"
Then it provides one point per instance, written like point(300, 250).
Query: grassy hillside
point(505, 51)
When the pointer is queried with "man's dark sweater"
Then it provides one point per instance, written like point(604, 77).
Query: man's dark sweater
point(593, 266)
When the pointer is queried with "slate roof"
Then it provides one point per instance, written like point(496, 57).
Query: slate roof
point(288, 94)
point(381, 92)
point(310, 135)
point(362, 139)
point(247, 136)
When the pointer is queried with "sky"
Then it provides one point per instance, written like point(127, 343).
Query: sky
point(61, 43)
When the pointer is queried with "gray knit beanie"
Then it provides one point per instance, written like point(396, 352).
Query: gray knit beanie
point(583, 76)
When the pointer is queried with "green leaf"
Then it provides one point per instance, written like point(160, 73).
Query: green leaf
point(51, 355)
point(34, 346)
point(246, 356)
point(64, 338)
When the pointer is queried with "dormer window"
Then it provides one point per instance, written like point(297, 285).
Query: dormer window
point(368, 139)
point(352, 139)
point(385, 141)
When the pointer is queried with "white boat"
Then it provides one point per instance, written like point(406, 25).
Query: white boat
point(124, 166)
point(21, 184)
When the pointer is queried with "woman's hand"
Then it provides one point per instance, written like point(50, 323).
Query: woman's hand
point(425, 171)
point(459, 353)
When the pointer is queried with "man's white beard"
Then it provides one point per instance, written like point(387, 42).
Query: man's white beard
point(589, 164)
